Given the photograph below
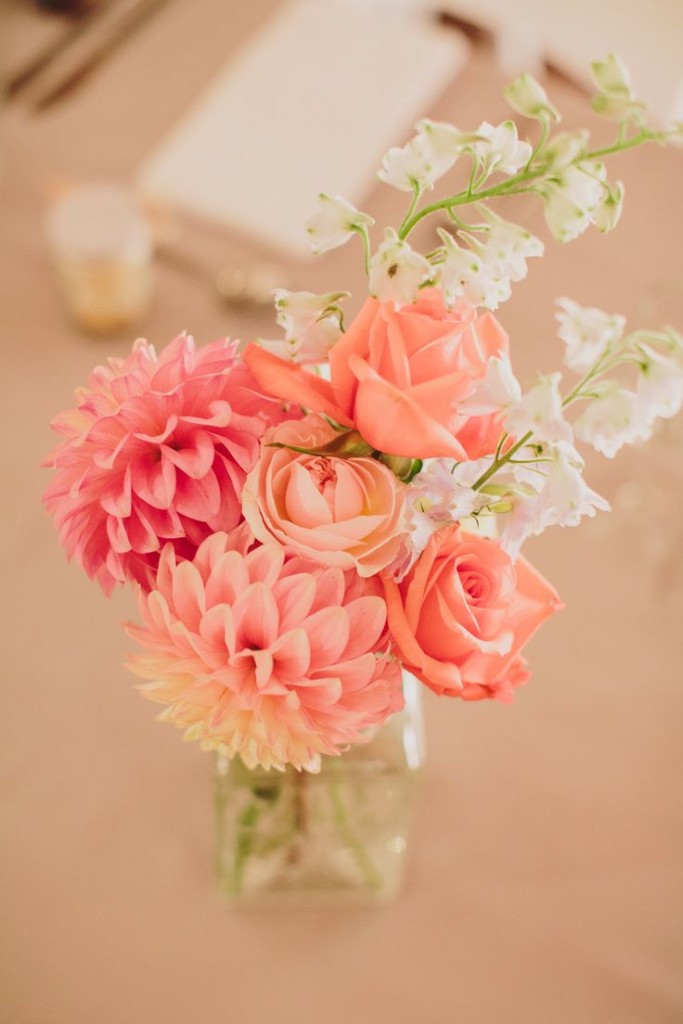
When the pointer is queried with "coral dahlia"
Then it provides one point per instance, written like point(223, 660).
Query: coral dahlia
point(156, 450)
point(260, 653)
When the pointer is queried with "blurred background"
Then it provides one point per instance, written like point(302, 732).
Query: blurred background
point(157, 159)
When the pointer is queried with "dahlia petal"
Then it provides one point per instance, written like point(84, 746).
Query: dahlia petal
point(292, 654)
point(188, 595)
point(264, 564)
point(294, 596)
point(321, 693)
point(256, 617)
point(355, 674)
point(116, 495)
point(142, 536)
point(220, 415)
point(228, 578)
point(328, 635)
point(198, 499)
point(330, 586)
point(367, 620)
point(193, 459)
point(171, 424)
point(118, 538)
point(154, 479)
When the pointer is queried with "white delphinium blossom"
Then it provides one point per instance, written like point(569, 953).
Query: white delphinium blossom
point(312, 325)
point(397, 271)
point(616, 101)
point(613, 418)
point(508, 246)
point(564, 149)
point(498, 389)
point(609, 210)
point(425, 158)
point(527, 97)
point(571, 199)
point(540, 411)
point(587, 332)
point(548, 489)
point(335, 221)
point(565, 497)
point(499, 148)
point(438, 498)
point(659, 391)
point(464, 274)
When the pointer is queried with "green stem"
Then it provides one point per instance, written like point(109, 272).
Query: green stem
point(417, 193)
point(496, 465)
point(365, 235)
point(510, 186)
point(341, 820)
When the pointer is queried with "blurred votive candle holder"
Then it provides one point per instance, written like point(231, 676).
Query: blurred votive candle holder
point(101, 247)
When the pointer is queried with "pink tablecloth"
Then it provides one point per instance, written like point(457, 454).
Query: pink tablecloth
point(547, 860)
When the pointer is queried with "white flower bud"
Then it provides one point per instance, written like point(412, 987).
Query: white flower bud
point(527, 97)
point(612, 77)
point(397, 271)
point(335, 221)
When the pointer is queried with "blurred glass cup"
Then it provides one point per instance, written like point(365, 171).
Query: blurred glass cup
point(101, 247)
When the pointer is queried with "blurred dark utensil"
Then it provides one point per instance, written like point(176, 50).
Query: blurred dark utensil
point(77, 24)
point(133, 15)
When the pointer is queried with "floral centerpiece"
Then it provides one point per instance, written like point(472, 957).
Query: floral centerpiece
point(308, 519)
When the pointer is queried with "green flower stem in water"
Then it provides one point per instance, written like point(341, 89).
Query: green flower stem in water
point(343, 823)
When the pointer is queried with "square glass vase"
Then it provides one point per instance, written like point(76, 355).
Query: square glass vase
point(340, 836)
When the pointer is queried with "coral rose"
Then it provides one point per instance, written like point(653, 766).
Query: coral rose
point(399, 376)
point(259, 653)
point(157, 450)
point(335, 511)
point(464, 612)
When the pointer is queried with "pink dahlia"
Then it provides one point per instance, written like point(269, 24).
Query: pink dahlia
point(259, 653)
point(156, 450)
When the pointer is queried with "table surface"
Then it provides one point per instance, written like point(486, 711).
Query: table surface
point(546, 866)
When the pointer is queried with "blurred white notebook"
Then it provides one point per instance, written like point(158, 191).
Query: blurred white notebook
point(309, 105)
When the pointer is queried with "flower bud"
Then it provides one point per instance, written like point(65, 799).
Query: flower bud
point(527, 97)
point(612, 76)
point(335, 221)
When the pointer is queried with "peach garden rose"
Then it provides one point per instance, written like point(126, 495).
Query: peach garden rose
point(462, 615)
point(337, 511)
